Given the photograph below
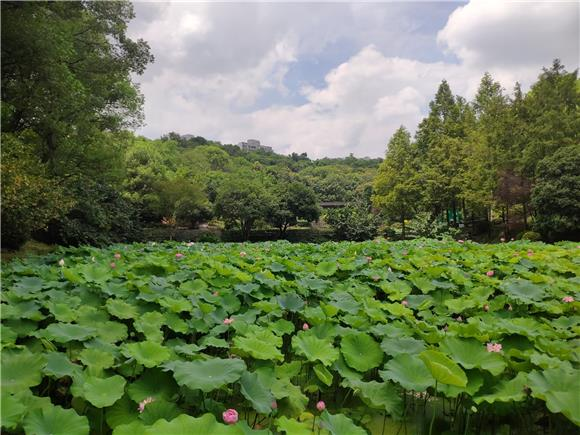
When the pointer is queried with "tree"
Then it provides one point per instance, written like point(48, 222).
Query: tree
point(30, 198)
point(397, 189)
point(555, 195)
point(354, 221)
point(242, 200)
point(293, 201)
point(183, 200)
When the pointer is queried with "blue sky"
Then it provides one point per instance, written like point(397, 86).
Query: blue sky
point(338, 78)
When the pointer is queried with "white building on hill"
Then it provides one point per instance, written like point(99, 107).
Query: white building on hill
point(254, 145)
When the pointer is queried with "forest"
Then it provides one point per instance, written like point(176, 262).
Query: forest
point(502, 164)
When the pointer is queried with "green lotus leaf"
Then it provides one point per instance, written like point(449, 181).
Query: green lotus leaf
point(132, 428)
point(260, 343)
point(62, 312)
point(474, 384)
point(27, 287)
point(123, 411)
point(421, 282)
point(121, 309)
point(409, 372)
point(58, 365)
point(95, 273)
point(290, 301)
point(256, 392)
point(20, 370)
point(147, 353)
point(159, 409)
point(209, 341)
point(185, 424)
point(282, 327)
point(326, 268)
point(11, 411)
point(150, 325)
point(153, 383)
point(314, 349)
point(176, 305)
point(506, 391)
point(96, 359)
point(103, 392)
point(55, 421)
point(111, 332)
point(323, 374)
point(523, 290)
point(65, 332)
point(380, 395)
point(339, 424)
point(559, 389)
point(293, 427)
point(443, 369)
point(190, 288)
point(397, 289)
point(292, 395)
point(361, 351)
point(207, 375)
point(401, 345)
point(470, 353)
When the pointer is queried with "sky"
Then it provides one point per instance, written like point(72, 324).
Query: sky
point(331, 79)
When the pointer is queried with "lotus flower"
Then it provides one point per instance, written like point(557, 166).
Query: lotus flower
point(61, 262)
point(369, 259)
point(568, 299)
point(489, 273)
point(188, 244)
point(321, 406)
point(113, 265)
point(144, 402)
point(117, 256)
point(493, 347)
point(216, 293)
point(179, 256)
point(274, 405)
point(230, 416)
point(405, 303)
point(305, 327)
point(228, 321)
point(502, 239)
point(243, 254)
point(459, 319)
point(486, 307)
point(460, 241)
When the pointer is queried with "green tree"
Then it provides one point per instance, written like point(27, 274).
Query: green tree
point(555, 195)
point(354, 221)
point(293, 201)
point(241, 200)
point(397, 188)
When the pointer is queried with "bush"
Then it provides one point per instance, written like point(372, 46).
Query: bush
point(354, 222)
point(555, 195)
point(30, 198)
point(530, 235)
point(209, 238)
point(101, 216)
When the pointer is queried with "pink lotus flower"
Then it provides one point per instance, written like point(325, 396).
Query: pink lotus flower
point(305, 327)
point(321, 406)
point(502, 239)
point(375, 277)
point(117, 256)
point(489, 273)
point(228, 321)
point(509, 307)
point(405, 303)
point(189, 244)
point(144, 402)
point(568, 299)
point(274, 405)
point(113, 265)
point(216, 293)
point(459, 319)
point(243, 254)
point(486, 307)
point(179, 256)
point(460, 241)
point(493, 347)
point(369, 259)
point(61, 262)
point(230, 416)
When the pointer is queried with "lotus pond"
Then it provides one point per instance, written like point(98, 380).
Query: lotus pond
point(342, 338)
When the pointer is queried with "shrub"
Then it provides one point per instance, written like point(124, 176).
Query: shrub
point(354, 221)
point(530, 235)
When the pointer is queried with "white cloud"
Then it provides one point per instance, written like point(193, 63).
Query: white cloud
point(215, 62)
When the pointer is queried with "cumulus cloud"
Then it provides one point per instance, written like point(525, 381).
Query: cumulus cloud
point(218, 66)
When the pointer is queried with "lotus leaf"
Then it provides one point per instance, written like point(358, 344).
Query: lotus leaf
point(409, 372)
point(339, 424)
point(470, 353)
point(443, 369)
point(148, 353)
point(361, 351)
point(14, 378)
point(256, 392)
point(314, 349)
point(55, 420)
point(207, 375)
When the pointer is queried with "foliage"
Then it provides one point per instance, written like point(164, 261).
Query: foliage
point(425, 225)
point(531, 235)
point(293, 201)
point(354, 221)
point(30, 198)
point(555, 195)
point(88, 345)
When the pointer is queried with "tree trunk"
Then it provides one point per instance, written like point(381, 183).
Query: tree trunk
point(403, 235)
point(525, 204)
point(454, 209)
point(507, 221)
